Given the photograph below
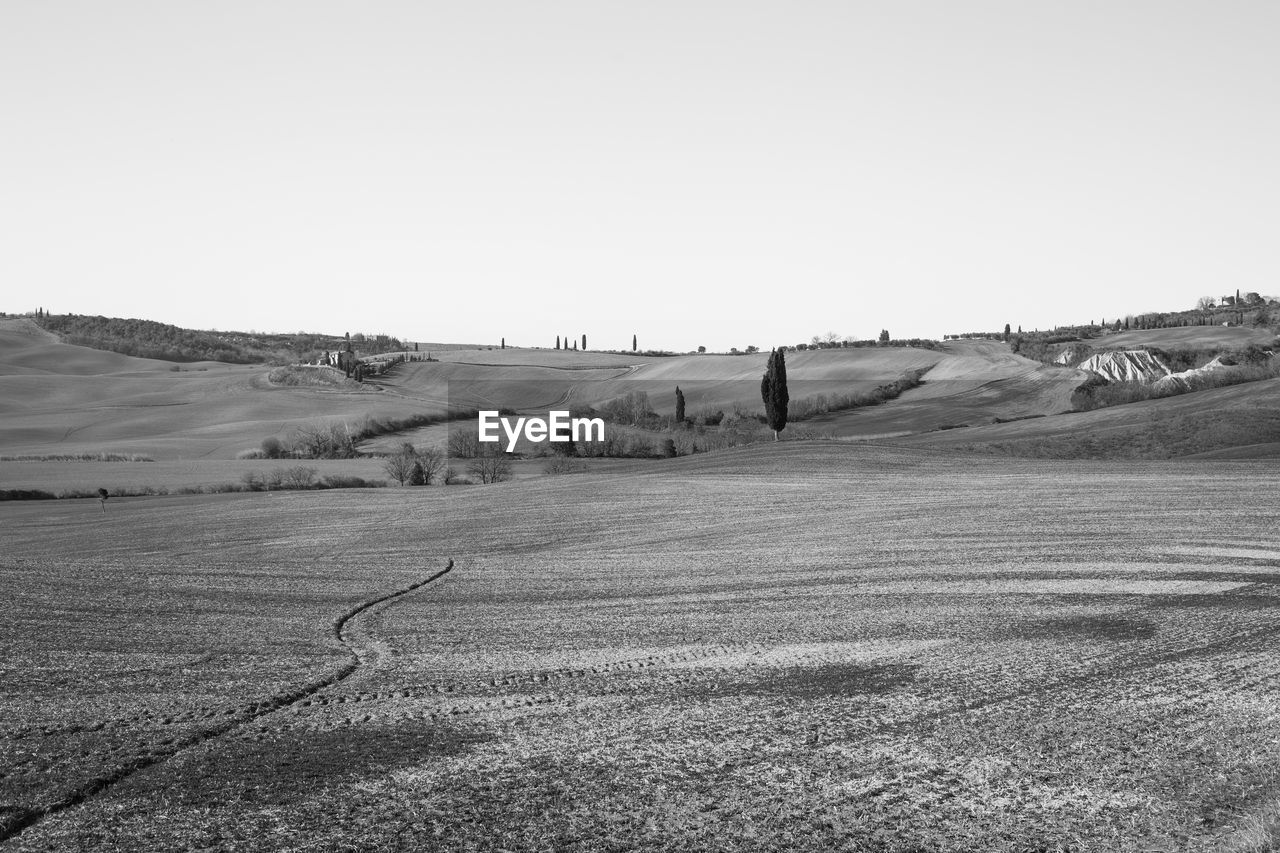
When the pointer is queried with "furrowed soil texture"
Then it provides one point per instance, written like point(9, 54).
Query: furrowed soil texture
point(798, 646)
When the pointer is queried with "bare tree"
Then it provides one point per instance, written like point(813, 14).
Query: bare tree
point(431, 461)
point(300, 477)
point(400, 466)
point(325, 441)
point(463, 443)
point(1204, 303)
point(490, 466)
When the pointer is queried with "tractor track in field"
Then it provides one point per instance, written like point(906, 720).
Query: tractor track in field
point(484, 694)
point(232, 718)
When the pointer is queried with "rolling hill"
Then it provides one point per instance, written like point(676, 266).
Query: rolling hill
point(58, 398)
point(1240, 421)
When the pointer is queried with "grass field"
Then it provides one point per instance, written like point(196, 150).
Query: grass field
point(796, 646)
point(1240, 420)
point(57, 398)
point(169, 475)
point(1188, 337)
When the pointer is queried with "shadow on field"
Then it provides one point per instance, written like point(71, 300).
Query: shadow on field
point(291, 765)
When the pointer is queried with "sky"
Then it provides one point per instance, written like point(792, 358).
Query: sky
point(694, 173)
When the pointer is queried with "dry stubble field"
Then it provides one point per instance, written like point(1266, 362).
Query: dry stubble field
point(802, 646)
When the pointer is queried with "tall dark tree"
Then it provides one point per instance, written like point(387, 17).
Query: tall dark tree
point(773, 390)
point(884, 337)
point(679, 405)
point(504, 343)
point(557, 342)
point(584, 342)
point(633, 343)
point(1006, 331)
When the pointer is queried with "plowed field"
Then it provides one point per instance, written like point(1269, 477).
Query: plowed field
point(800, 646)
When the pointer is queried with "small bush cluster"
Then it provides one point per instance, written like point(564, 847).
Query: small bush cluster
point(413, 466)
point(79, 457)
point(26, 495)
point(312, 376)
point(490, 465)
point(296, 478)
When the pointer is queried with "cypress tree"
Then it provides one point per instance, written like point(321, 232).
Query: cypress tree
point(504, 343)
point(679, 405)
point(584, 342)
point(773, 390)
point(633, 343)
point(557, 342)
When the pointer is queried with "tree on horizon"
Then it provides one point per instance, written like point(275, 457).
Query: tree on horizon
point(679, 405)
point(773, 390)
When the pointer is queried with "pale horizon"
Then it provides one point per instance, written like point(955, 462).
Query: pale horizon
point(706, 174)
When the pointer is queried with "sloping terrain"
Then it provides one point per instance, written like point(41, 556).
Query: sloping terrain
point(532, 379)
point(1187, 337)
point(1125, 366)
point(965, 379)
point(58, 398)
point(1186, 379)
point(65, 399)
point(974, 382)
point(1239, 421)
point(784, 647)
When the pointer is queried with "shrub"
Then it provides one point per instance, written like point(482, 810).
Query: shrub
point(491, 466)
point(463, 443)
point(431, 460)
point(299, 477)
point(26, 495)
point(325, 441)
point(399, 467)
point(639, 447)
point(559, 465)
point(347, 481)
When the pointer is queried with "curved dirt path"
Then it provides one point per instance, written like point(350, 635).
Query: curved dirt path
point(234, 717)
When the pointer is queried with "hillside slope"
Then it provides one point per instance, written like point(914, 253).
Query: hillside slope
point(1240, 421)
point(66, 399)
point(61, 398)
point(1187, 337)
point(974, 382)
